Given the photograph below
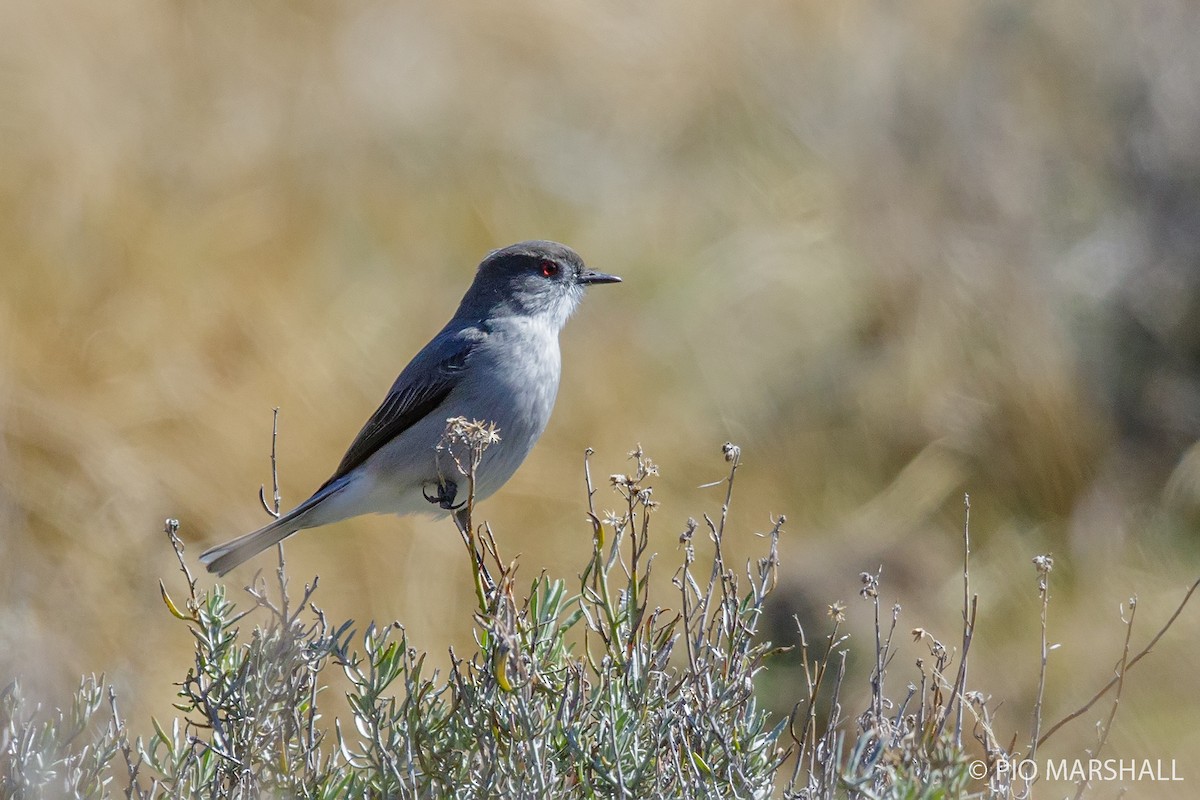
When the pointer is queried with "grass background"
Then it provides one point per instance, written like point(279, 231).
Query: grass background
point(894, 252)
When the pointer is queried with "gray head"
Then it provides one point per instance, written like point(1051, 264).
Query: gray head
point(537, 279)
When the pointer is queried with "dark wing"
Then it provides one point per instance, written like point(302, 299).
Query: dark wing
point(421, 388)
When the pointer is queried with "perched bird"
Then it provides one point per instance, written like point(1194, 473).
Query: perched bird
point(497, 360)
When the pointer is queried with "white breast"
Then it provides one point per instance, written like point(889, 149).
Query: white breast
point(511, 380)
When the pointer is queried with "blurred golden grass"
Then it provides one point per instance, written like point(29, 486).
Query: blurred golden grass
point(882, 248)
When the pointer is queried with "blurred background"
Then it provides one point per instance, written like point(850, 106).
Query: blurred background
point(897, 252)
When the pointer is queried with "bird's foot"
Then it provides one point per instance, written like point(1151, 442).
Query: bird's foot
point(446, 492)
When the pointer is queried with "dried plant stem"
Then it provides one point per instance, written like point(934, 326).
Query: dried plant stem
point(969, 605)
point(1122, 666)
point(466, 529)
point(813, 680)
point(1128, 665)
point(276, 510)
point(275, 506)
point(473, 437)
point(1044, 567)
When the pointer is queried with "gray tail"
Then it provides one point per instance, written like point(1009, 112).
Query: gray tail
point(224, 557)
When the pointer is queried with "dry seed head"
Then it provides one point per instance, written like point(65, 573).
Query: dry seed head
point(870, 585)
point(1044, 564)
point(643, 497)
point(476, 433)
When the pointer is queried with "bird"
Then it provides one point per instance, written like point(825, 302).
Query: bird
point(496, 361)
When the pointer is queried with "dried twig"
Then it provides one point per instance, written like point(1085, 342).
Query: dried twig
point(1128, 665)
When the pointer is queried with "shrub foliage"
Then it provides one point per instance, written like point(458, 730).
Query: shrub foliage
point(582, 689)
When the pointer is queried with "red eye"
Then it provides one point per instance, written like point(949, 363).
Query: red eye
point(549, 269)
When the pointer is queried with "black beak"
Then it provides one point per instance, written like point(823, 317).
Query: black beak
point(591, 276)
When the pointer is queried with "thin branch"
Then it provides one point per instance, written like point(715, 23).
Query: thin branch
point(1122, 665)
point(272, 508)
point(1044, 565)
point(968, 619)
point(171, 528)
point(1116, 679)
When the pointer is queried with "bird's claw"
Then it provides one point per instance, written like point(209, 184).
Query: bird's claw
point(446, 492)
